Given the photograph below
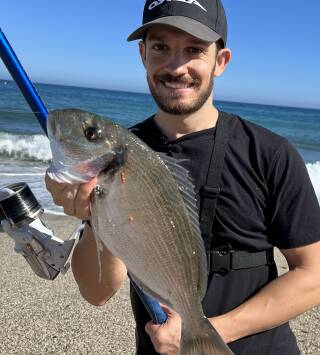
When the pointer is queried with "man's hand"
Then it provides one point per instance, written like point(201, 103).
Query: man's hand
point(166, 337)
point(280, 300)
point(75, 199)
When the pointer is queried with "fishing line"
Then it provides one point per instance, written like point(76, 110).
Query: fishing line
point(18, 111)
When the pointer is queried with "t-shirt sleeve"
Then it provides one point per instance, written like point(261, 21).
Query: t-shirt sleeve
point(294, 211)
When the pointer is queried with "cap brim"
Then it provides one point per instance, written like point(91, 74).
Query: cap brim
point(186, 24)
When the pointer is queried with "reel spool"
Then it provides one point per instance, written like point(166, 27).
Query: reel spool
point(18, 204)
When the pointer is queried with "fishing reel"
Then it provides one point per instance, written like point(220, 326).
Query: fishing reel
point(20, 218)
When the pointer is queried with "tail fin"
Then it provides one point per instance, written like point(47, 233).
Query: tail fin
point(206, 341)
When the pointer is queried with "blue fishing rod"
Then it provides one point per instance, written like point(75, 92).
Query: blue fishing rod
point(18, 74)
point(31, 95)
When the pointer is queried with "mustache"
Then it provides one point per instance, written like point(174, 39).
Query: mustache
point(177, 79)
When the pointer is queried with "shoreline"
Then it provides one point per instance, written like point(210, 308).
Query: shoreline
point(146, 93)
point(50, 317)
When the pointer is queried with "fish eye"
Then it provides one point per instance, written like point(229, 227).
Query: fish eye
point(92, 133)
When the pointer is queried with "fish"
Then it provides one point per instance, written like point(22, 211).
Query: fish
point(144, 212)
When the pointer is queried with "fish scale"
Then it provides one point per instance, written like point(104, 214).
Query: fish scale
point(159, 252)
point(146, 215)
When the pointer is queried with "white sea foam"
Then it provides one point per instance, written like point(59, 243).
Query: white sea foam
point(23, 147)
point(21, 174)
point(314, 172)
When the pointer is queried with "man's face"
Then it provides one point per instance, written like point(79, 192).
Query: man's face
point(179, 69)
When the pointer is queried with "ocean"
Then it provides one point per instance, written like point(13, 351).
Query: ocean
point(25, 152)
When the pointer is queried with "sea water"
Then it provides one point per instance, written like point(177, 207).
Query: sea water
point(25, 152)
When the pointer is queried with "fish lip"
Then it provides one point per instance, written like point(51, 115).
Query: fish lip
point(111, 161)
point(85, 170)
point(93, 167)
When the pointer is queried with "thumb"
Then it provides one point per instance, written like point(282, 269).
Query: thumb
point(169, 311)
point(90, 184)
point(85, 189)
point(151, 327)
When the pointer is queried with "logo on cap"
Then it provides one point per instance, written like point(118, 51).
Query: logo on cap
point(156, 3)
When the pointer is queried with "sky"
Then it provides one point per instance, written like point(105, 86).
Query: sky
point(275, 47)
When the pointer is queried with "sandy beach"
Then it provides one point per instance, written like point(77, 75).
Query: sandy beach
point(40, 317)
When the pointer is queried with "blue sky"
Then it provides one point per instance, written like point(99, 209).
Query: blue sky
point(275, 47)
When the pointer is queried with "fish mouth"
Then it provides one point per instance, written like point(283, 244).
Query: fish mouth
point(64, 171)
point(74, 162)
point(93, 167)
point(82, 172)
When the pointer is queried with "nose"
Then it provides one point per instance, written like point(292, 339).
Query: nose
point(177, 64)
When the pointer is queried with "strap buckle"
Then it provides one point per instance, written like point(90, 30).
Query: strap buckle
point(219, 260)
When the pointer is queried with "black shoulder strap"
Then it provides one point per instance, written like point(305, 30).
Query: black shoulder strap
point(210, 192)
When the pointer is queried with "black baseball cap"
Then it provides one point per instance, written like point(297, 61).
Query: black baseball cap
point(204, 19)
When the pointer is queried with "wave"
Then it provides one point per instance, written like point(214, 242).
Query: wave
point(37, 148)
point(23, 147)
point(314, 173)
point(22, 174)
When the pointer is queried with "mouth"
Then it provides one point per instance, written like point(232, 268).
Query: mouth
point(66, 169)
point(62, 172)
point(177, 85)
point(93, 167)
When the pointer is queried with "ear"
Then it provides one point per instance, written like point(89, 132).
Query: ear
point(142, 50)
point(223, 59)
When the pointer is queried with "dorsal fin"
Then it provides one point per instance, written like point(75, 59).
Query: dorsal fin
point(186, 188)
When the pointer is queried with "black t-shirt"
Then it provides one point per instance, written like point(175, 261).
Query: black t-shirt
point(266, 200)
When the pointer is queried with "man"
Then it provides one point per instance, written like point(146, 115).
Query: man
point(266, 196)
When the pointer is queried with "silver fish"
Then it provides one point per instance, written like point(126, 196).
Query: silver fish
point(145, 213)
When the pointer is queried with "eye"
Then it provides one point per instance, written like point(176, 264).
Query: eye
point(92, 133)
point(195, 50)
point(159, 47)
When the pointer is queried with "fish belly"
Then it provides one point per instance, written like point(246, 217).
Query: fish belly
point(143, 221)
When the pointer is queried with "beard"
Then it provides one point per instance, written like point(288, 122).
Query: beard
point(172, 103)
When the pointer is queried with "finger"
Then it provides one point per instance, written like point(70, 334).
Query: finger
point(55, 189)
point(151, 328)
point(147, 328)
point(51, 185)
point(82, 212)
point(47, 181)
point(84, 192)
point(83, 199)
point(68, 195)
point(169, 311)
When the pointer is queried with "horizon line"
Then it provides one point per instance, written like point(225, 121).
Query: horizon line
point(148, 93)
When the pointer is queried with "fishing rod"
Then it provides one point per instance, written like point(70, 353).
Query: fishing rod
point(18, 74)
point(32, 97)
